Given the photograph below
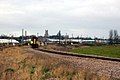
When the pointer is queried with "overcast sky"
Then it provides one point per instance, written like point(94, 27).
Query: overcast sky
point(77, 17)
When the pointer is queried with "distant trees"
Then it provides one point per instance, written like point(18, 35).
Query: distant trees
point(116, 37)
point(113, 37)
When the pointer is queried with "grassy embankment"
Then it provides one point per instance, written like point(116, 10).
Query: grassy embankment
point(108, 51)
point(19, 64)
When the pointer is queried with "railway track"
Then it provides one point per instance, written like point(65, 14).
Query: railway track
point(99, 65)
point(78, 55)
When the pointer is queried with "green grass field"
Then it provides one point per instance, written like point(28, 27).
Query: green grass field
point(108, 51)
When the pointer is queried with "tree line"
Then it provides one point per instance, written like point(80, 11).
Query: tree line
point(113, 37)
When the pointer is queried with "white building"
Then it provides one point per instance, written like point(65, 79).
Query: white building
point(9, 41)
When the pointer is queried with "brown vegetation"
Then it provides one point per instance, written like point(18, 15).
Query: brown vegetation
point(18, 64)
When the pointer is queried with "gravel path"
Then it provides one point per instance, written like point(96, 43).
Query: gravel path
point(100, 67)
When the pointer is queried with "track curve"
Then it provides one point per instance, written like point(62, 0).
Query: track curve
point(78, 55)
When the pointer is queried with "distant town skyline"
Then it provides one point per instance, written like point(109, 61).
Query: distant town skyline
point(86, 18)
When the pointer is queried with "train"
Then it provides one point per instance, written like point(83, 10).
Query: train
point(34, 42)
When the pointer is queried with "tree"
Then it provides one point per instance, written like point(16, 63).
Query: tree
point(111, 37)
point(116, 37)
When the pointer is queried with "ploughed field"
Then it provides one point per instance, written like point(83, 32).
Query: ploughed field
point(107, 51)
point(24, 63)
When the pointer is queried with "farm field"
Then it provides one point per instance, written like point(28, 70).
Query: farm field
point(107, 51)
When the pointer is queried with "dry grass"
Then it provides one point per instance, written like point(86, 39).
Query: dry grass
point(18, 64)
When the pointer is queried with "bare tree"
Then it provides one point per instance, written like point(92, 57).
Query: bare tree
point(115, 36)
point(111, 37)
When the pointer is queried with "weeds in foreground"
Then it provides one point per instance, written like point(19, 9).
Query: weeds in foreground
point(10, 70)
point(42, 67)
point(32, 70)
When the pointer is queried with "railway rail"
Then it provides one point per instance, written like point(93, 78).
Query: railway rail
point(78, 55)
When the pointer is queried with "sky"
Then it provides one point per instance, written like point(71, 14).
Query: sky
point(88, 18)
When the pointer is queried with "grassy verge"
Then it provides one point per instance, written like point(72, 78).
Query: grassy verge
point(108, 51)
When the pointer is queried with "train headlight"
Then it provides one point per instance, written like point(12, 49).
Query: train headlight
point(31, 42)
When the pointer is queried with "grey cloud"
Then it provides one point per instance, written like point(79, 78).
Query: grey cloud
point(37, 15)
